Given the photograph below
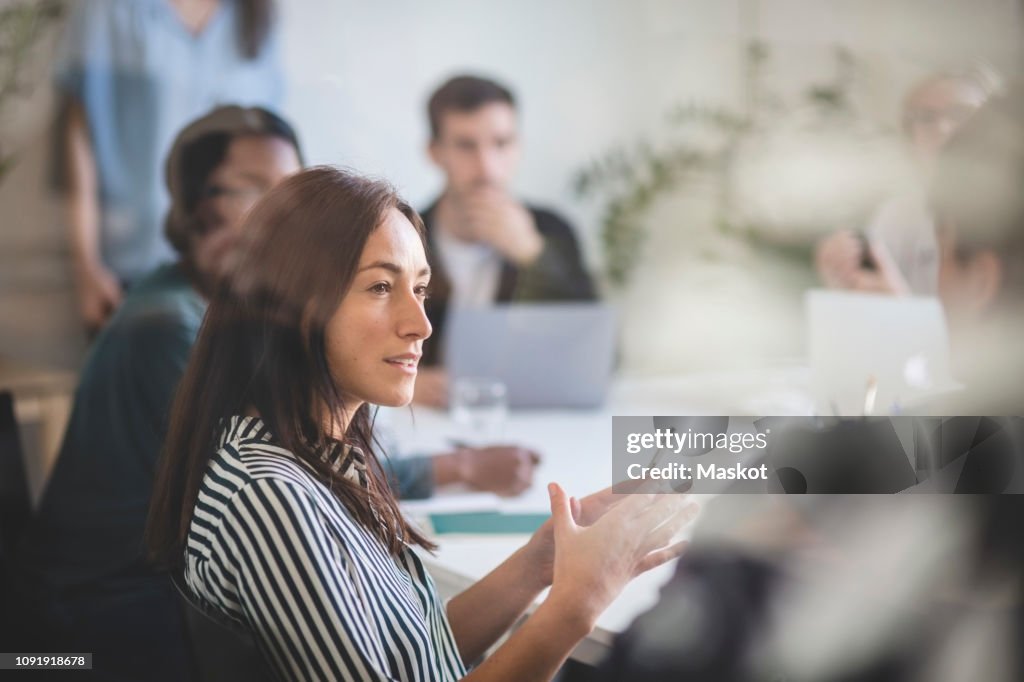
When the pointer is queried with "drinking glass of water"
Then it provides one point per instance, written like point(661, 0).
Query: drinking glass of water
point(479, 408)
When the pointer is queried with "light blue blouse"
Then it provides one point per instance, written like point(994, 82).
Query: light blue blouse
point(141, 76)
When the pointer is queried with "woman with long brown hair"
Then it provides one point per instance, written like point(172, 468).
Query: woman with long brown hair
point(270, 499)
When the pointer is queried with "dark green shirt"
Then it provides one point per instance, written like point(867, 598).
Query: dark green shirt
point(93, 513)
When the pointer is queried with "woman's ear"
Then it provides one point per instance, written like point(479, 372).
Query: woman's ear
point(984, 279)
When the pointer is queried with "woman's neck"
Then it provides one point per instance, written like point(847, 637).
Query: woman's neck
point(337, 426)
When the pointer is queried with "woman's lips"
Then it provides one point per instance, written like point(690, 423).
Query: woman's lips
point(405, 363)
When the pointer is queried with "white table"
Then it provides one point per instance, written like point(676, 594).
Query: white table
point(576, 448)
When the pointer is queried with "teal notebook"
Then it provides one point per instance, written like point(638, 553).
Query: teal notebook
point(494, 523)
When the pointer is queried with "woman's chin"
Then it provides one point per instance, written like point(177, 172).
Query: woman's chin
point(395, 399)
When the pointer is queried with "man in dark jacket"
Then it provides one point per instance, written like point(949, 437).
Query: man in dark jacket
point(487, 246)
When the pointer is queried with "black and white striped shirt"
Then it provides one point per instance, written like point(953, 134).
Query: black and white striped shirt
point(274, 549)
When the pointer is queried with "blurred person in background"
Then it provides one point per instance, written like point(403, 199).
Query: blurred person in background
point(795, 599)
point(899, 251)
point(979, 206)
point(485, 244)
point(130, 74)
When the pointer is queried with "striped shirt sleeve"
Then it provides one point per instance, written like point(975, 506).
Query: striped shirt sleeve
point(297, 587)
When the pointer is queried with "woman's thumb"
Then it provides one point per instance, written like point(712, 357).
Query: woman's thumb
point(561, 514)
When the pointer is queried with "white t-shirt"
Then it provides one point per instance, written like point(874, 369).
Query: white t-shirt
point(905, 228)
point(473, 268)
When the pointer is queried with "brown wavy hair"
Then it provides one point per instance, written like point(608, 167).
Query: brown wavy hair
point(262, 347)
point(464, 93)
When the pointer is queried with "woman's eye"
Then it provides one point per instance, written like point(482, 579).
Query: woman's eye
point(381, 288)
point(423, 291)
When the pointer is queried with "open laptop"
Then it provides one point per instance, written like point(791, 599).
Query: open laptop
point(876, 354)
point(546, 354)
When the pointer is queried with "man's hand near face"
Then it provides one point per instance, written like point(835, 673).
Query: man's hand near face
point(493, 217)
point(838, 259)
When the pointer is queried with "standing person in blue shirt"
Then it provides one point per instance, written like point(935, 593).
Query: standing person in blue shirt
point(130, 75)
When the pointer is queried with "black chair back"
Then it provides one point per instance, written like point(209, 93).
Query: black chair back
point(224, 650)
point(15, 513)
point(15, 503)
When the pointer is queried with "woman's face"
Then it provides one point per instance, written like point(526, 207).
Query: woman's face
point(375, 338)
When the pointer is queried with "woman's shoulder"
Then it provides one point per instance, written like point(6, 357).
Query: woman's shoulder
point(248, 453)
point(250, 460)
point(250, 479)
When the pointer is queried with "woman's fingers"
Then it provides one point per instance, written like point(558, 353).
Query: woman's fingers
point(636, 503)
point(662, 534)
point(659, 510)
point(594, 506)
point(630, 524)
point(660, 556)
point(561, 513)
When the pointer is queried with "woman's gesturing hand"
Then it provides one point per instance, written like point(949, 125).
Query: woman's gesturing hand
point(542, 545)
point(592, 563)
